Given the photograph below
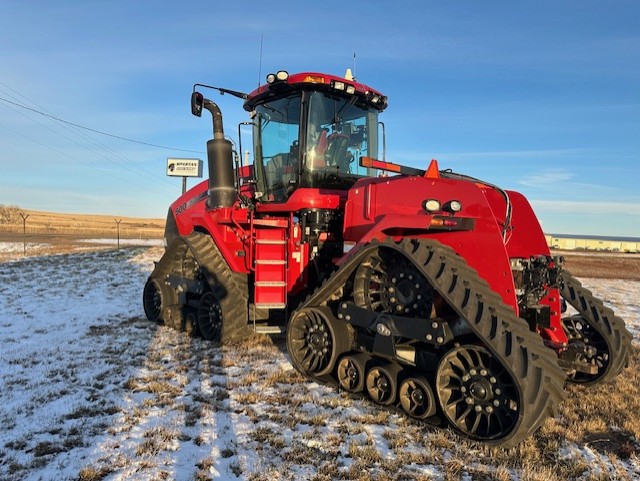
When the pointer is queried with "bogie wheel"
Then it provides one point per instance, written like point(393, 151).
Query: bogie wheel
point(382, 383)
point(209, 317)
point(315, 340)
point(387, 281)
point(190, 325)
point(153, 300)
point(478, 397)
point(351, 372)
point(417, 398)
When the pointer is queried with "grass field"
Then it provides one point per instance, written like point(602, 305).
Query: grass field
point(52, 226)
point(46, 233)
point(93, 391)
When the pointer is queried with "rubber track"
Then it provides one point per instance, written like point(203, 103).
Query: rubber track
point(508, 337)
point(229, 286)
point(603, 320)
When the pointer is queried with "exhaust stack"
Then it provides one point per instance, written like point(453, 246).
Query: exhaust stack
point(222, 192)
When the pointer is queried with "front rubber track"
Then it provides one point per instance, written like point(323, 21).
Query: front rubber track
point(531, 365)
point(601, 318)
point(230, 287)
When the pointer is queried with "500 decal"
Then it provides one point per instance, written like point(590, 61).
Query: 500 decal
point(185, 205)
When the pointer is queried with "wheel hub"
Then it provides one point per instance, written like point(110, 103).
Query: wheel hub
point(477, 395)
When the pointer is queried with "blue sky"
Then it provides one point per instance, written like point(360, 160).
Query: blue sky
point(541, 97)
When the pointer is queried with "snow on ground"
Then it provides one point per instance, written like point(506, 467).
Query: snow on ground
point(19, 247)
point(126, 242)
point(91, 390)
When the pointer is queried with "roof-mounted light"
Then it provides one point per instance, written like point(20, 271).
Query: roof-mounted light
point(343, 87)
point(379, 101)
point(338, 85)
point(280, 76)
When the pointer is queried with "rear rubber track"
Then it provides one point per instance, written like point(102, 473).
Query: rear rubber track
point(230, 287)
point(602, 319)
point(522, 353)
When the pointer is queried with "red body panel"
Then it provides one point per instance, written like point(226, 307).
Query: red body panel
point(376, 207)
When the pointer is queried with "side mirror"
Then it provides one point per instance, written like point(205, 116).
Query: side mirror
point(197, 103)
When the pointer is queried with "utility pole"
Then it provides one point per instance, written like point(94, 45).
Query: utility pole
point(117, 221)
point(24, 232)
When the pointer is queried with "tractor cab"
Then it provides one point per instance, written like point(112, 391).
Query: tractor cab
point(309, 131)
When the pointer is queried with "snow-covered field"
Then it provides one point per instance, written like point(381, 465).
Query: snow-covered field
point(90, 390)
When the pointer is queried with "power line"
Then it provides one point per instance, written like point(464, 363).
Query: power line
point(139, 171)
point(97, 131)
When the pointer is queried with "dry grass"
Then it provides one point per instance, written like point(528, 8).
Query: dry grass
point(53, 233)
point(83, 225)
point(602, 265)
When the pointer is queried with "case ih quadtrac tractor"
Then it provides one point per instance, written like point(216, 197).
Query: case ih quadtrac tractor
point(424, 290)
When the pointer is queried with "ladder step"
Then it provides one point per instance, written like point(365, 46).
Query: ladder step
point(270, 284)
point(270, 241)
point(272, 262)
point(271, 305)
point(270, 329)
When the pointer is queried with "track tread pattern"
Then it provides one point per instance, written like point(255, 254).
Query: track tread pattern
point(601, 318)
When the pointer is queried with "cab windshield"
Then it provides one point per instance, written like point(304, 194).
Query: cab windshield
point(339, 132)
point(311, 139)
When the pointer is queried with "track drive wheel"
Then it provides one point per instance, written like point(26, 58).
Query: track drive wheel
point(315, 340)
point(417, 398)
point(478, 397)
point(605, 337)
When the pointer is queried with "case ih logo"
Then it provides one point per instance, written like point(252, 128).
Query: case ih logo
point(184, 167)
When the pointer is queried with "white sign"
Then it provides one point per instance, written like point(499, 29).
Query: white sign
point(184, 167)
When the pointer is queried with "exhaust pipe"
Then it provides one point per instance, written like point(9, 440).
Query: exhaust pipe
point(222, 192)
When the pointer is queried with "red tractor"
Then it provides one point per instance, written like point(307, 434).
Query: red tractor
point(425, 290)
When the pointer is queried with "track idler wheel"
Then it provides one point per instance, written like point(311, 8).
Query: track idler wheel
point(351, 372)
point(209, 316)
point(599, 336)
point(315, 340)
point(382, 383)
point(477, 396)
point(417, 398)
point(153, 300)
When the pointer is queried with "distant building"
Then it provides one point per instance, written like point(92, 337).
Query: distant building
point(593, 243)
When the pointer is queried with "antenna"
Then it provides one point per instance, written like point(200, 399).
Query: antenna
point(354, 66)
point(260, 63)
